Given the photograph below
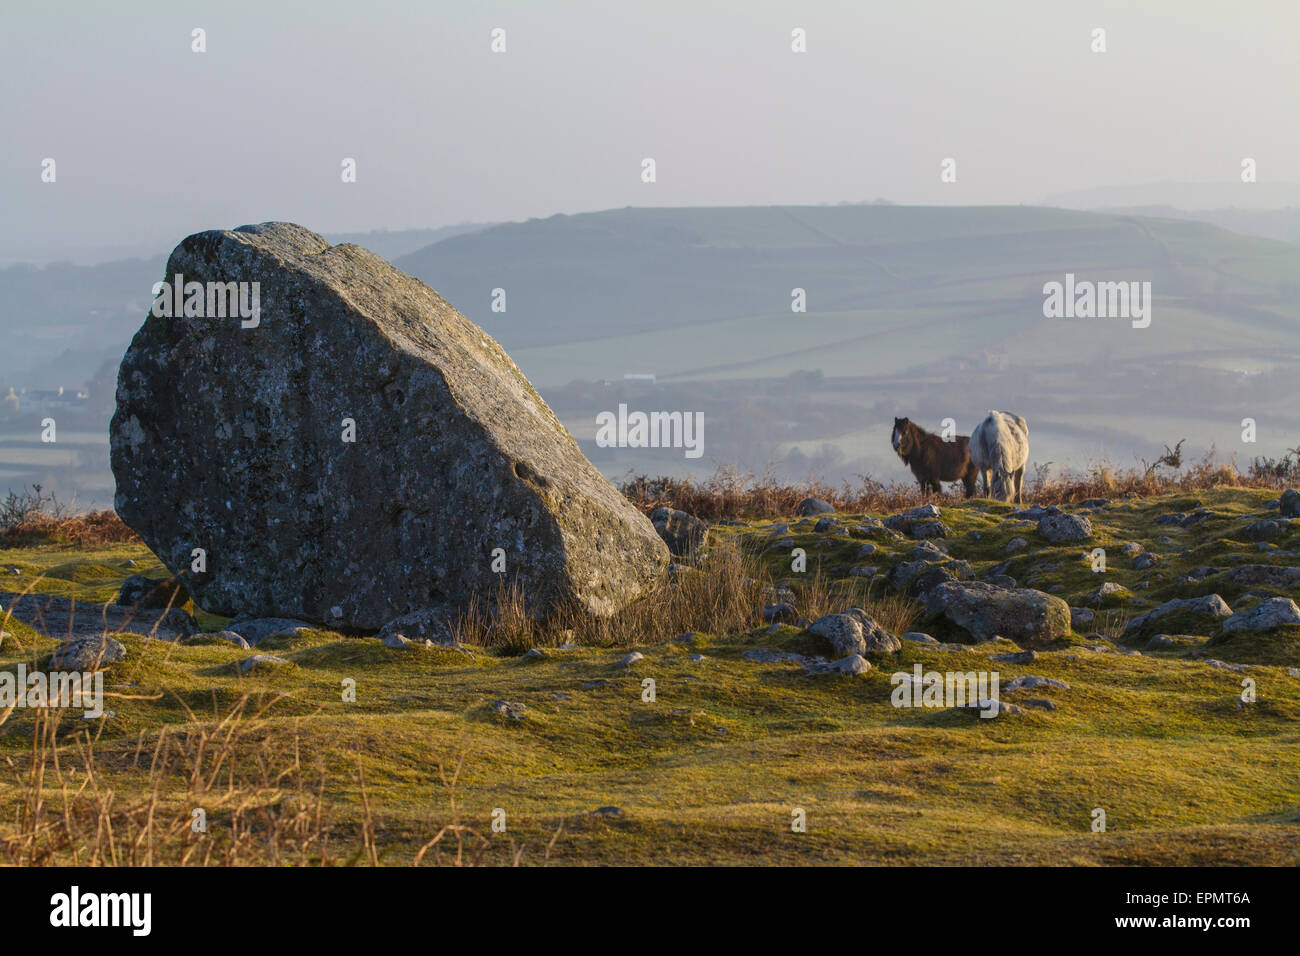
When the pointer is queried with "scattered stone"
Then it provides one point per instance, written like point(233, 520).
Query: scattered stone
point(1160, 642)
point(1289, 503)
point(903, 521)
point(930, 529)
point(1039, 703)
point(852, 665)
point(1032, 683)
point(854, 632)
point(509, 708)
point(428, 626)
point(998, 706)
point(1108, 593)
point(1275, 612)
point(813, 506)
point(534, 654)
point(229, 636)
point(1171, 518)
point(917, 637)
point(1060, 527)
point(1263, 530)
point(1210, 605)
point(260, 662)
point(827, 524)
point(1132, 549)
point(1081, 617)
point(257, 630)
point(866, 550)
point(928, 551)
point(1020, 657)
point(1027, 617)
point(1265, 575)
point(630, 659)
point(779, 613)
point(1144, 562)
point(140, 591)
point(87, 653)
point(1001, 581)
point(1015, 544)
point(683, 533)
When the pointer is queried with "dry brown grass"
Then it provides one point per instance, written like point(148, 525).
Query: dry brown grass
point(731, 494)
point(91, 529)
point(721, 596)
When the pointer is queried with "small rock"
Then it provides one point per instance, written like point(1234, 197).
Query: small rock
point(812, 506)
point(1274, 612)
point(917, 637)
point(1058, 528)
point(261, 662)
point(508, 708)
point(1032, 683)
point(256, 630)
point(1020, 657)
point(1015, 544)
point(852, 665)
point(1289, 503)
point(630, 659)
point(87, 653)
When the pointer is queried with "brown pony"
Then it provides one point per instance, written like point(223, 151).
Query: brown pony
point(932, 459)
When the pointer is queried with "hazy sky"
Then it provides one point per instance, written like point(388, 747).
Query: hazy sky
point(153, 141)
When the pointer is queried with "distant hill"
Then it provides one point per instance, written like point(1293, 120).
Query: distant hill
point(1230, 193)
point(394, 243)
point(1283, 224)
point(706, 293)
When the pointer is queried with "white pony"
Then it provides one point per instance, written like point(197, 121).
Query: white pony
point(1000, 444)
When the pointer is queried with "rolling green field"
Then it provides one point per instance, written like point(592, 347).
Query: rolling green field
point(731, 747)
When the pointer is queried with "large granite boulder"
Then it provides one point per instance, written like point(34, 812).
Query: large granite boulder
point(231, 436)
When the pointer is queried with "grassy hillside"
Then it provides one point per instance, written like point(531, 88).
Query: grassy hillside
point(739, 734)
